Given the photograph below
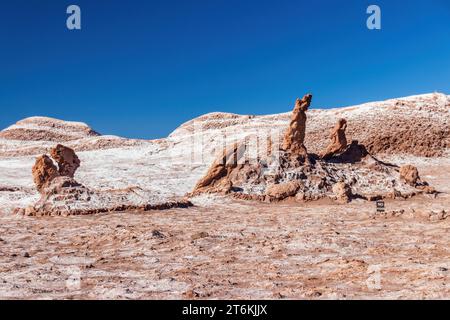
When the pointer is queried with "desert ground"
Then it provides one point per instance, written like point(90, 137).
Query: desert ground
point(222, 247)
point(235, 250)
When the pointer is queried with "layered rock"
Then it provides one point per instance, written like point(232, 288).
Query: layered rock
point(338, 140)
point(47, 129)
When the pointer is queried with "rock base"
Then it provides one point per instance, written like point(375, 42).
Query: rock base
point(349, 175)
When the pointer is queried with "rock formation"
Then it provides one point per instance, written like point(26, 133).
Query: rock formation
point(410, 175)
point(43, 171)
point(338, 140)
point(294, 138)
point(68, 161)
point(216, 179)
point(343, 171)
point(282, 190)
point(342, 192)
point(62, 195)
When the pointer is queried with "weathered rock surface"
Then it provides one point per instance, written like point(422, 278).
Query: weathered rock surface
point(217, 179)
point(339, 172)
point(43, 171)
point(68, 161)
point(354, 172)
point(416, 125)
point(294, 138)
point(66, 197)
point(62, 195)
point(283, 190)
point(342, 192)
point(409, 174)
point(338, 140)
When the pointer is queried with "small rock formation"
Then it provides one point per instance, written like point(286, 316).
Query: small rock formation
point(43, 171)
point(215, 180)
point(342, 192)
point(68, 161)
point(338, 140)
point(410, 175)
point(294, 138)
point(283, 190)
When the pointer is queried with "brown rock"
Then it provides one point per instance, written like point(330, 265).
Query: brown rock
point(294, 137)
point(283, 190)
point(68, 161)
point(410, 174)
point(43, 171)
point(338, 140)
point(342, 192)
point(216, 179)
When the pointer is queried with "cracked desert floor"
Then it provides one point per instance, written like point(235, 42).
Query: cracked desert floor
point(227, 249)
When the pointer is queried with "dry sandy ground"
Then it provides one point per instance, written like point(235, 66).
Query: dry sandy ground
point(247, 250)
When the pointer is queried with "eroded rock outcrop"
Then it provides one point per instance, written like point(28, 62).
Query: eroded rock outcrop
point(341, 172)
point(294, 138)
point(68, 161)
point(217, 178)
point(338, 140)
point(409, 174)
point(62, 195)
point(282, 190)
point(342, 192)
point(44, 171)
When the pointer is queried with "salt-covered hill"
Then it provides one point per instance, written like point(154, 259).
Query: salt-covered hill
point(167, 168)
point(35, 135)
point(47, 129)
point(416, 125)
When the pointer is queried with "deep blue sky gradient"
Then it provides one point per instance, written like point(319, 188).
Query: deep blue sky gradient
point(141, 68)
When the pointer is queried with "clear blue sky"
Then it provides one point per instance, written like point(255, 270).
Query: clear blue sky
point(141, 68)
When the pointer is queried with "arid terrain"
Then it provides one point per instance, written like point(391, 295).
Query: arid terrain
point(222, 247)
